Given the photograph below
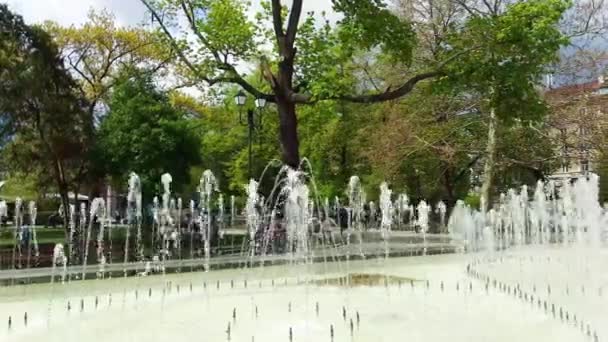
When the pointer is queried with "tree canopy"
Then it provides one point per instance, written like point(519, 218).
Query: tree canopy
point(310, 62)
point(145, 134)
point(41, 113)
point(407, 93)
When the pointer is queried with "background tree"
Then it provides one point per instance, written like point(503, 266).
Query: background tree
point(145, 134)
point(42, 115)
point(96, 53)
point(297, 71)
point(426, 145)
point(517, 42)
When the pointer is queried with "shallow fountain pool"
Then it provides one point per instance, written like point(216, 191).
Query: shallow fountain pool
point(430, 298)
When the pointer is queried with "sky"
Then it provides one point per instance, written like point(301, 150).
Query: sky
point(127, 12)
point(68, 12)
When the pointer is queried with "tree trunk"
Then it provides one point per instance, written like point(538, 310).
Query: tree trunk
point(449, 186)
point(65, 201)
point(289, 132)
point(62, 187)
point(488, 170)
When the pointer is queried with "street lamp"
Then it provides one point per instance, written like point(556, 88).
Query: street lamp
point(260, 103)
point(240, 99)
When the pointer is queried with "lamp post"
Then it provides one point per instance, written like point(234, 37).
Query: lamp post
point(240, 100)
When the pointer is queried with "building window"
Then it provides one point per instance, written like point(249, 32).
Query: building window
point(585, 165)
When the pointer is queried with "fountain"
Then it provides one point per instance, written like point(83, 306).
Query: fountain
point(356, 199)
point(252, 214)
point(165, 220)
point(537, 257)
point(96, 212)
point(386, 207)
point(33, 211)
point(297, 216)
point(208, 185)
point(441, 209)
point(134, 219)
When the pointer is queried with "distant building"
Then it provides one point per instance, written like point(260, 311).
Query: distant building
point(577, 121)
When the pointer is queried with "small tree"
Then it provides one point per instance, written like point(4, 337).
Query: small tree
point(96, 52)
point(143, 133)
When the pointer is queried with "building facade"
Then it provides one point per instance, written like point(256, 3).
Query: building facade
point(578, 125)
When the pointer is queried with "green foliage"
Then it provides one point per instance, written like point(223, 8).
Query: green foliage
point(420, 146)
point(473, 201)
point(328, 141)
point(368, 24)
point(97, 51)
point(42, 114)
point(322, 61)
point(328, 54)
point(504, 56)
point(225, 33)
point(525, 155)
point(144, 134)
point(226, 28)
point(19, 185)
point(418, 143)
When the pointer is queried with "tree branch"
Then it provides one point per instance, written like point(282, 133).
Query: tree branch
point(189, 12)
point(490, 7)
point(277, 22)
point(78, 71)
point(404, 89)
point(369, 76)
point(387, 95)
point(172, 40)
point(467, 167)
point(235, 78)
point(294, 19)
point(471, 10)
point(526, 165)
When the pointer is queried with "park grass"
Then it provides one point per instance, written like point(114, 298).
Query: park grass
point(44, 235)
point(52, 235)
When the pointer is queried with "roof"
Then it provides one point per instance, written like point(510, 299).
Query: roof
point(576, 89)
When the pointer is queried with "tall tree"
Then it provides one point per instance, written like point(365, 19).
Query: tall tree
point(312, 61)
point(298, 71)
point(517, 40)
point(41, 112)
